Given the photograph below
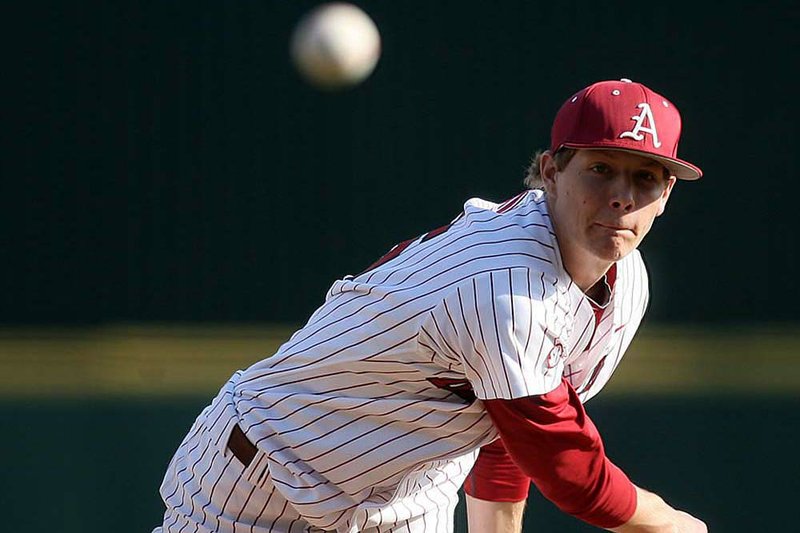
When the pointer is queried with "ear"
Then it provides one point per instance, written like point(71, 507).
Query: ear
point(548, 170)
point(665, 195)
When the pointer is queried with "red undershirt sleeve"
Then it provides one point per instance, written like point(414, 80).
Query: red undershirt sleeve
point(495, 477)
point(552, 441)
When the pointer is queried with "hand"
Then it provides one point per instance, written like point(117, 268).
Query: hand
point(653, 515)
point(668, 522)
point(686, 523)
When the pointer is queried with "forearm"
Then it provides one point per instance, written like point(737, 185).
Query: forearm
point(556, 445)
point(494, 517)
point(654, 515)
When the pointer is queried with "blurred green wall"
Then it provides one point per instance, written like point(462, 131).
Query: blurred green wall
point(78, 466)
point(90, 417)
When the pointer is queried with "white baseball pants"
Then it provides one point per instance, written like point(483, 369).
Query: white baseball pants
point(206, 489)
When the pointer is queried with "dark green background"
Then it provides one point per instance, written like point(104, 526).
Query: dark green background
point(83, 466)
point(163, 161)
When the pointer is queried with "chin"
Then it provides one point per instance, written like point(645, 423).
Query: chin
point(614, 251)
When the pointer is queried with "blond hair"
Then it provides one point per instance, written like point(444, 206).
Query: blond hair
point(533, 176)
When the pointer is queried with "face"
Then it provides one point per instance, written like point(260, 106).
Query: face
point(604, 202)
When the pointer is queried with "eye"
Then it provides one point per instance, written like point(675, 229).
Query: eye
point(647, 176)
point(600, 168)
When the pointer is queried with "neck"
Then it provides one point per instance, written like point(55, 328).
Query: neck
point(584, 269)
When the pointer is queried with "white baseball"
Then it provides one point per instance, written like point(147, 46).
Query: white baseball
point(335, 45)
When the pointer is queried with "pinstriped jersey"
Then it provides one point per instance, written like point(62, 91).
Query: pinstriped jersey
point(372, 410)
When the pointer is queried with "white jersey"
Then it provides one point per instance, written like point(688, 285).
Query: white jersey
point(367, 415)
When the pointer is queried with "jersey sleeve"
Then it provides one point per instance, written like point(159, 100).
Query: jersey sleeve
point(495, 326)
point(495, 477)
point(554, 442)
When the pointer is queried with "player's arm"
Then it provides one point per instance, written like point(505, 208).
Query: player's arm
point(553, 441)
point(494, 517)
point(654, 515)
point(496, 491)
point(549, 436)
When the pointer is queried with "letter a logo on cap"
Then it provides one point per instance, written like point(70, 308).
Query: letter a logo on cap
point(639, 129)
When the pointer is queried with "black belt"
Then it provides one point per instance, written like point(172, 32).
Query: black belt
point(242, 448)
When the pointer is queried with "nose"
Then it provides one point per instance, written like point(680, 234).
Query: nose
point(621, 197)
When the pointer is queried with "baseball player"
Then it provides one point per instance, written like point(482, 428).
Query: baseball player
point(462, 357)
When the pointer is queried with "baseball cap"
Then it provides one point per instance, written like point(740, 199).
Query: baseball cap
point(623, 115)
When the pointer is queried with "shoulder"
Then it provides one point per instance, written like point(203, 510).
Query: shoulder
point(531, 200)
point(515, 233)
point(506, 296)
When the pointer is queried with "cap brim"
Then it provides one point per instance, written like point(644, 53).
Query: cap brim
point(680, 169)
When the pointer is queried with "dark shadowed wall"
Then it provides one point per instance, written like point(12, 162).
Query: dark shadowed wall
point(162, 160)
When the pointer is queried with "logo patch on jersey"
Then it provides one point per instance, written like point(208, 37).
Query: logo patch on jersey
point(460, 387)
point(557, 352)
point(640, 128)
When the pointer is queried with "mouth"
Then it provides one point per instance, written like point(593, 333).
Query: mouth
point(616, 229)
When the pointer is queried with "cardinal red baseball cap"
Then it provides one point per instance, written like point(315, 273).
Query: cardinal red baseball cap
point(623, 115)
